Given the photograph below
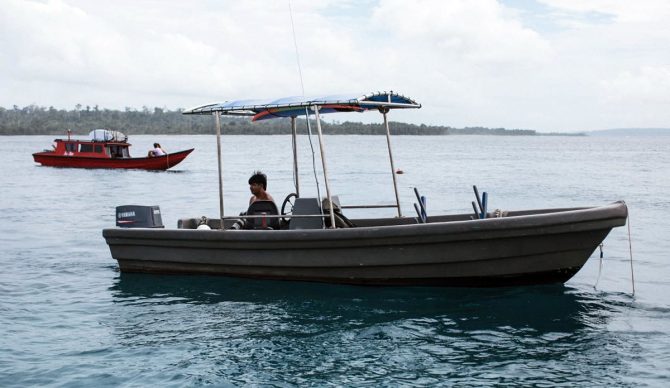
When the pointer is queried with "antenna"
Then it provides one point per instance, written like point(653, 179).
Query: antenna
point(295, 44)
point(302, 87)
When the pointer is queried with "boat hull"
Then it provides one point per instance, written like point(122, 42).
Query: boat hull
point(535, 248)
point(146, 163)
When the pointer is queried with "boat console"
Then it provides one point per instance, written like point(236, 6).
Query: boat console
point(304, 214)
point(303, 207)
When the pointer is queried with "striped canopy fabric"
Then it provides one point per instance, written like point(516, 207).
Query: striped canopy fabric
point(301, 106)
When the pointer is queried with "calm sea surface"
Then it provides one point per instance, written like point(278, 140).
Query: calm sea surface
point(69, 318)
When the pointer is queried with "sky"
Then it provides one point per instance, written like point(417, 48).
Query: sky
point(547, 65)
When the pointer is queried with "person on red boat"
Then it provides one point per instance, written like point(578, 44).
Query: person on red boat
point(258, 183)
point(157, 151)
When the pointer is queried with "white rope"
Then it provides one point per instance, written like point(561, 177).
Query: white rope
point(311, 146)
point(302, 87)
point(600, 267)
point(630, 251)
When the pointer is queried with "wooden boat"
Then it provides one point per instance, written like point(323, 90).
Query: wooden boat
point(312, 243)
point(104, 149)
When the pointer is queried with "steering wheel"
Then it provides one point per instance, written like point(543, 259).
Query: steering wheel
point(287, 206)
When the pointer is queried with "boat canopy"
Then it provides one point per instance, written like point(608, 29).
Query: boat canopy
point(107, 135)
point(300, 105)
point(304, 106)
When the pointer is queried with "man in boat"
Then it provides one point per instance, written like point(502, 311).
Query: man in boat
point(157, 151)
point(258, 183)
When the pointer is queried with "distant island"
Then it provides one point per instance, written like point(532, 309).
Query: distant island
point(36, 120)
point(631, 132)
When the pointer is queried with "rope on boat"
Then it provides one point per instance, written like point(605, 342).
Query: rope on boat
point(311, 146)
point(630, 251)
point(302, 86)
point(295, 44)
point(600, 266)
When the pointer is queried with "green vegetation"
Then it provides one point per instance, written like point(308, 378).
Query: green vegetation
point(35, 120)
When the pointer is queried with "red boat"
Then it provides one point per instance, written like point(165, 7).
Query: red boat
point(105, 149)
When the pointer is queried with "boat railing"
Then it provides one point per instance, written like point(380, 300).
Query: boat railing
point(234, 222)
point(275, 216)
point(368, 206)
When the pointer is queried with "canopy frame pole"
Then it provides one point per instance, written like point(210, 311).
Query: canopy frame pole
point(217, 117)
point(384, 110)
point(294, 132)
point(325, 169)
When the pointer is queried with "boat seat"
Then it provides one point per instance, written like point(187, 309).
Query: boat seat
point(262, 208)
point(302, 207)
point(340, 220)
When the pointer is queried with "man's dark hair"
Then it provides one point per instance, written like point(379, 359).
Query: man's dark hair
point(156, 145)
point(259, 178)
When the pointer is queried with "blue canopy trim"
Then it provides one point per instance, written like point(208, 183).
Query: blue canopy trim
point(300, 106)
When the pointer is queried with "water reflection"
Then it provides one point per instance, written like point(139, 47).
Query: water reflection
point(266, 332)
point(541, 308)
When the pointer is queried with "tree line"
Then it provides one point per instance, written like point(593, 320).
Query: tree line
point(37, 120)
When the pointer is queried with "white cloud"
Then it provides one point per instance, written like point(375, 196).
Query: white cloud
point(623, 11)
point(648, 85)
point(477, 32)
point(469, 63)
point(462, 58)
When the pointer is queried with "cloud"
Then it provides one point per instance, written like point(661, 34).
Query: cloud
point(623, 11)
point(650, 84)
point(170, 48)
point(479, 32)
point(638, 95)
point(615, 66)
point(463, 58)
point(546, 65)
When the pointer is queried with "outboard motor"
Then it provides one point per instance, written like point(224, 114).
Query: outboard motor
point(135, 216)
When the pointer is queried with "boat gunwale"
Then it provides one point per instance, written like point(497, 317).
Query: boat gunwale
point(49, 154)
point(531, 224)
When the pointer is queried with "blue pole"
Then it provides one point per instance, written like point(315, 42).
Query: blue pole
point(418, 211)
point(479, 200)
point(424, 215)
point(422, 204)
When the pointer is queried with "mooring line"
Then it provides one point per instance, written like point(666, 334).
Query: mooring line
point(600, 267)
point(630, 251)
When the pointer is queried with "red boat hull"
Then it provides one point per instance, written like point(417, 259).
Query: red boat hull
point(147, 163)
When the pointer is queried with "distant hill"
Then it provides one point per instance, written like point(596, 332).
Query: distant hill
point(36, 120)
point(631, 132)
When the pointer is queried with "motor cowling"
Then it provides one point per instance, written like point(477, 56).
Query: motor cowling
point(137, 216)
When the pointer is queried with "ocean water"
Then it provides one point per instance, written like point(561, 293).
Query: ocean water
point(69, 318)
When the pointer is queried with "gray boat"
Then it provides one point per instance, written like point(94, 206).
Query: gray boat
point(305, 241)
